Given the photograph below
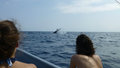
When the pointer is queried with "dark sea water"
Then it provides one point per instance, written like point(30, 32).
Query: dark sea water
point(58, 48)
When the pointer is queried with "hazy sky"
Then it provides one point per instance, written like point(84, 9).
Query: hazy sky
point(69, 15)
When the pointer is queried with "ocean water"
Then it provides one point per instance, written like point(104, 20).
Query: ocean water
point(58, 48)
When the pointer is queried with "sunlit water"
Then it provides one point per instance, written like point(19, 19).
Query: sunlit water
point(58, 48)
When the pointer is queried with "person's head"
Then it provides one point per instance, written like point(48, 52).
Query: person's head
point(9, 37)
point(84, 45)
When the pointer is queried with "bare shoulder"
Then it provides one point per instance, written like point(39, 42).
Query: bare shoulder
point(79, 60)
point(97, 57)
point(98, 60)
point(84, 56)
point(75, 56)
point(19, 64)
point(79, 57)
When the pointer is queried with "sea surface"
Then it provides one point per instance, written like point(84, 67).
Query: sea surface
point(58, 48)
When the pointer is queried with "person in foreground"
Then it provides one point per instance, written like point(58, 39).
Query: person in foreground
point(85, 54)
point(9, 39)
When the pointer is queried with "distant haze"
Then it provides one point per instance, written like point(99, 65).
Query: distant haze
point(69, 15)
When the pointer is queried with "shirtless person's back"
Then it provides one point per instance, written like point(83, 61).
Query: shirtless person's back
point(82, 61)
point(85, 54)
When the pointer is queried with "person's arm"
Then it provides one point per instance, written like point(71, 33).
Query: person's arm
point(100, 62)
point(72, 64)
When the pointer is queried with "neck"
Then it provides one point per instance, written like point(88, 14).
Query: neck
point(13, 55)
point(5, 65)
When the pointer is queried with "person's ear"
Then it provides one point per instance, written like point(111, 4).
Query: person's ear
point(17, 44)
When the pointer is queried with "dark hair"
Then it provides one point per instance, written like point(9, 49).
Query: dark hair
point(84, 45)
point(9, 36)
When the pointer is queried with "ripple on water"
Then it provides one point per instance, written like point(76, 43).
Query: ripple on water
point(59, 48)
